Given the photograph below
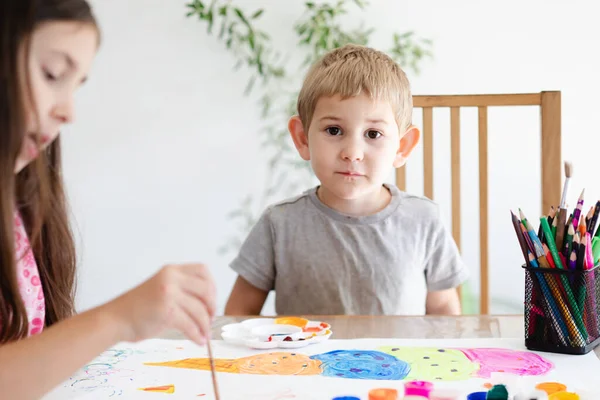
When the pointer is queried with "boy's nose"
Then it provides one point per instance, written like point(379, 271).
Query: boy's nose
point(352, 153)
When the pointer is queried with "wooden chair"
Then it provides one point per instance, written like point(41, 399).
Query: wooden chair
point(549, 104)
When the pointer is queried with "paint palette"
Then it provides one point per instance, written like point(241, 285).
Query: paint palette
point(271, 333)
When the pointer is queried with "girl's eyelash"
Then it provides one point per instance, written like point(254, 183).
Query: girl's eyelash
point(49, 75)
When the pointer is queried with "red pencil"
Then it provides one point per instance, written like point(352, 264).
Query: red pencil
point(548, 256)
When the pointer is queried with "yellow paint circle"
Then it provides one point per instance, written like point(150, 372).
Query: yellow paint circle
point(563, 396)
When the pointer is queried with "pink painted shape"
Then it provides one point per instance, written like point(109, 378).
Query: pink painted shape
point(505, 360)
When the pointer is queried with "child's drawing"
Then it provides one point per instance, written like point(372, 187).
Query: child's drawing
point(169, 389)
point(387, 363)
point(94, 377)
point(279, 363)
point(180, 369)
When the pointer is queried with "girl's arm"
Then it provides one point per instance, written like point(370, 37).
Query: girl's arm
point(178, 297)
point(31, 367)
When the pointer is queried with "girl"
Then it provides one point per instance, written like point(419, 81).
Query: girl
point(46, 51)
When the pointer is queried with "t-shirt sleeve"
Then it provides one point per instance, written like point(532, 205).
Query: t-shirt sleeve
point(255, 261)
point(444, 267)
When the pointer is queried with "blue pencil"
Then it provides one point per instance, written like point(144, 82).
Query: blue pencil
point(557, 321)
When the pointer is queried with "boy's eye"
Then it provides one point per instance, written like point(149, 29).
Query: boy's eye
point(333, 130)
point(373, 134)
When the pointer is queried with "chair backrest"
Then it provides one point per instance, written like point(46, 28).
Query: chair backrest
point(549, 104)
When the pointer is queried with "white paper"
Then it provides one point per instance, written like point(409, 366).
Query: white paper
point(120, 372)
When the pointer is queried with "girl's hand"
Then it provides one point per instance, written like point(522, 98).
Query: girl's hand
point(180, 297)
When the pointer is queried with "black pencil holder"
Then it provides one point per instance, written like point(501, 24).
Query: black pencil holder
point(561, 310)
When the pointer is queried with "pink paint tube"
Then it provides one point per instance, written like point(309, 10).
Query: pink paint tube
point(418, 388)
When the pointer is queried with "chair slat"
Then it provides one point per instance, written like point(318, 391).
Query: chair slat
point(551, 150)
point(428, 152)
point(484, 300)
point(455, 166)
point(551, 171)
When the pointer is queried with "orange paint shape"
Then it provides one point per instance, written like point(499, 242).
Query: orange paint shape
point(277, 363)
point(488, 385)
point(383, 394)
point(563, 396)
point(170, 389)
point(201, 395)
point(551, 387)
point(299, 322)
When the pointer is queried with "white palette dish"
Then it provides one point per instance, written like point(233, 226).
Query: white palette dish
point(271, 333)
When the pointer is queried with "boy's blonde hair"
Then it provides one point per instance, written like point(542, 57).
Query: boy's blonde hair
point(351, 70)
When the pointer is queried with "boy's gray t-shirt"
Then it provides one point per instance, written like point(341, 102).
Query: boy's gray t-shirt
point(322, 262)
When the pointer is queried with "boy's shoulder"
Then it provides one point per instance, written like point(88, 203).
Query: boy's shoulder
point(290, 205)
point(414, 205)
point(404, 207)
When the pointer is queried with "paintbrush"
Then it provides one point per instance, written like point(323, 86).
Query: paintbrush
point(562, 211)
point(212, 370)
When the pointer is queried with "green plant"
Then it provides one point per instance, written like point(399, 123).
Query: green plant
point(320, 28)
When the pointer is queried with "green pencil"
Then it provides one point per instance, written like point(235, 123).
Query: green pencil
point(571, 300)
point(550, 243)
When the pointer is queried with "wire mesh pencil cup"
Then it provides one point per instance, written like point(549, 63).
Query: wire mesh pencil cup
point(561, 310)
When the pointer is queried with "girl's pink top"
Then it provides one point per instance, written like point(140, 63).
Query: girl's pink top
point(28, 278)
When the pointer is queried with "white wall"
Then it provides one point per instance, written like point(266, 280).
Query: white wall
point(165, 144)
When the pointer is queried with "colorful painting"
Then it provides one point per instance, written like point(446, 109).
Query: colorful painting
point(180, 369)
point(386, 363)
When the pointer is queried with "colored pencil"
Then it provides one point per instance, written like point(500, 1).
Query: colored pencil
point(549, 256)
point(576, 245)
point(551, 245)
point(558, 253)
point(582, 229)
point(551, 214)
point(594, 220)
point(569, 241)
point(554, 228)
point(577, 211)
point(553, 312)
point(520, 237)
point(588, 251)
point(588, 216)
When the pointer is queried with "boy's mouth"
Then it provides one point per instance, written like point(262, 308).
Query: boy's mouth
point(349, 173)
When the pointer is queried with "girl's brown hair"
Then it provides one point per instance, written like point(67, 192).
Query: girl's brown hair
point(37, 191)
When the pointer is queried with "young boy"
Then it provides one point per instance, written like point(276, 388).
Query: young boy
point(352, 245)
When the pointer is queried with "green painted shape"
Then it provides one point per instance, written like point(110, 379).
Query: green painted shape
point(434, 364)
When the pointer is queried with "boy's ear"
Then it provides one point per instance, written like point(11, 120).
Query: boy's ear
point(408, 142)
point(299, 136)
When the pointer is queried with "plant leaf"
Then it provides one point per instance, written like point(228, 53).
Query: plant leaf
point(257, 14)
point(241, 16)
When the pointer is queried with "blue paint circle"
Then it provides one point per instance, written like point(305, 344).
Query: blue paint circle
point(346, 398)
point(362, 364)
point(477, 396)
